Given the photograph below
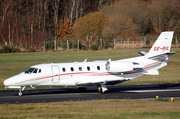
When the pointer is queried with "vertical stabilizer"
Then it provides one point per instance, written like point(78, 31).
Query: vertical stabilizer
point(162, 44)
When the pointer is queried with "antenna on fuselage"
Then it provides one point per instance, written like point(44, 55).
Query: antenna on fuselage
point(85, 60)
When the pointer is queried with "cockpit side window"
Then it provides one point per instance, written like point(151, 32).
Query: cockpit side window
point(40, 71)
point(35, 70)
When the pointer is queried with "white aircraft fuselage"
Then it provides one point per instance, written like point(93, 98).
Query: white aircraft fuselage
point(95, 73)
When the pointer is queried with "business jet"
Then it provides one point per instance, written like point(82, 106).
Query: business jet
point(96, 73)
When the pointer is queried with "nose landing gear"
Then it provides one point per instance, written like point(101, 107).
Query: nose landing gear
point(20, 91)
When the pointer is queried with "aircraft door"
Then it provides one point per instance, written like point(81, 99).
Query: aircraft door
point(55, 74)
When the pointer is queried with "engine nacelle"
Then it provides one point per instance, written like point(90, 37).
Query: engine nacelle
point(119, 66)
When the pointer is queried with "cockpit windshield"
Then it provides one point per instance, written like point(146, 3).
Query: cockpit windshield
point(32, 70)
point(29, 70)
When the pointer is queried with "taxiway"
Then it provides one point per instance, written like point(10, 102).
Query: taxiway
point(73, 94)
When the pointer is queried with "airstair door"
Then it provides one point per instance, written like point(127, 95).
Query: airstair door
point(55, 74)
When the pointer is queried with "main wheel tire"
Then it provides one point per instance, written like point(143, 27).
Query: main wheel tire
point(99, 89)
point(102, 92)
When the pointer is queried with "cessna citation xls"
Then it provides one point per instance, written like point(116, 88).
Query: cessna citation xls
point(96, 73)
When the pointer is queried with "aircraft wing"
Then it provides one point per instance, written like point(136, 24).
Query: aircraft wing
point(106, 82)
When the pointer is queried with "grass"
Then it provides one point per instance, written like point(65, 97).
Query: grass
point(115, 108)
point(14, 63)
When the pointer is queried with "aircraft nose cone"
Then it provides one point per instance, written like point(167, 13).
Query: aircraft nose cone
point(6, 82)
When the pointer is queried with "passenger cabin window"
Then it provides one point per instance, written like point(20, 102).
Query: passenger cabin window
point(88, 68)
point(80, 68)
point(72, 69)
point(63, 69)
point(98, 67)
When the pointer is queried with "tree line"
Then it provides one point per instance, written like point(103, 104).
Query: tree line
point(130, 18)
point(27, 23)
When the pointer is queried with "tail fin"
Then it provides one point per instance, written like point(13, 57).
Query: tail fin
point(162, 44)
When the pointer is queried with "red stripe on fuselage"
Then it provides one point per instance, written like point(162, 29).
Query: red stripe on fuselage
point(42, 78)
point(62, 75)
point(96, 72)
point(76, 73)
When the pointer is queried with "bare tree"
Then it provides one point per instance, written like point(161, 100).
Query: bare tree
point(5, 5)
point(55, 4)
point(75, 9)
point(45, 13)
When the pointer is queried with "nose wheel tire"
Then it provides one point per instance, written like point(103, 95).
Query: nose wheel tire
point(20, 93)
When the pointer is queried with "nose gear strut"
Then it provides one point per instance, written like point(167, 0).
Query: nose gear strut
point(20, 91)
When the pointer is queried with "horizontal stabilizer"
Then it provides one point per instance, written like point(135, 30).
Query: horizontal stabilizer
point(142, 53)
point(162, 56)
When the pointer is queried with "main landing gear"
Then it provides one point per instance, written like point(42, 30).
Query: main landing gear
point(103, 89)
point(20, 91)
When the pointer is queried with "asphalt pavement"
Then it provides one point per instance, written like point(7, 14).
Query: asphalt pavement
point(92, 93)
